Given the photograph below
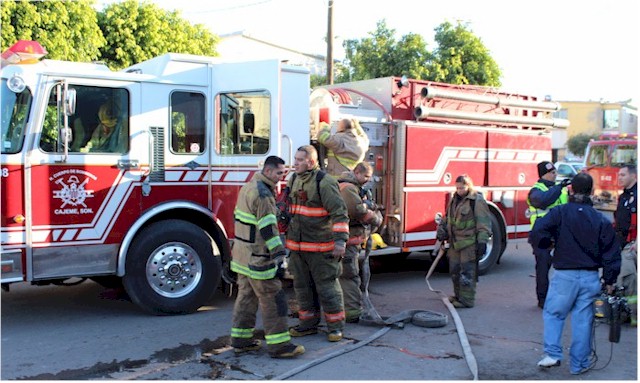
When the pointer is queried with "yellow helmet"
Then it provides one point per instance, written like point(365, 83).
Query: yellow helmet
point(377, 242)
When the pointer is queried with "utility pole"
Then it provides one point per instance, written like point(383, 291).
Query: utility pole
point(330, 43)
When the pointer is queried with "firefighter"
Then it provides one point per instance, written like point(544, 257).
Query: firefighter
point(467, 227)
point(257, 257)
point(346, 148)
point(109, 136)
point(626, 218)
point(544, 195)
point(317, 236)
point(363, 218)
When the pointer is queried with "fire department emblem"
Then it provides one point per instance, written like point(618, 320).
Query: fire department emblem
point(73, 191)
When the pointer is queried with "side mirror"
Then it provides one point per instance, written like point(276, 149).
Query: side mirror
point(69, 97)
point(248, 122)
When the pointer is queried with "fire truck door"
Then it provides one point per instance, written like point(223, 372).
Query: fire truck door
point(77, 200)
point(246, 113)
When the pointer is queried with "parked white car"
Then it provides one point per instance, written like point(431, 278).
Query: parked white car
point(568, 169)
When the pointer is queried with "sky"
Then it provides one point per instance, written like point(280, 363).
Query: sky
point(569, 50)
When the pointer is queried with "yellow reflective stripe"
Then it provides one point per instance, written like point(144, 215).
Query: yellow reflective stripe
point(324, 136)
point(253, 274)
point(246, 333)
point(269, 219)
point(278, 338)
point(245, 217)
point(349, 163)
point(274, 242)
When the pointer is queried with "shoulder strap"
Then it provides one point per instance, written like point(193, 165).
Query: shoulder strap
point(319, 176)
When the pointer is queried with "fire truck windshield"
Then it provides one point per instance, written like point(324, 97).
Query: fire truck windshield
point(15, 112)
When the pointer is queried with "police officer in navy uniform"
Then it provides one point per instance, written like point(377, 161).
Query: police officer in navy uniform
point(627, 204)
point(543, 196)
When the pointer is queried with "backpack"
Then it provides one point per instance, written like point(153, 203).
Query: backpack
point(283, 201)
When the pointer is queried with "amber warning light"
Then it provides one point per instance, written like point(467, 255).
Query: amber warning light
point(23, 52)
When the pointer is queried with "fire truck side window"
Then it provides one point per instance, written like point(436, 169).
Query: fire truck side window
point(100, 125)
point(244, 124)
point(187, 122)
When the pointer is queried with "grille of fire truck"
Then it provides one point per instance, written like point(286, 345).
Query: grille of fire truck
point(157, 173)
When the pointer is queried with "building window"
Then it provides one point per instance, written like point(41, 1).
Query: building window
point(562, 113)
point(611, 119)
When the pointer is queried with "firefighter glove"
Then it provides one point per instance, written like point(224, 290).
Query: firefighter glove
point(565, 182)
point(441, 233)
point(481, 248)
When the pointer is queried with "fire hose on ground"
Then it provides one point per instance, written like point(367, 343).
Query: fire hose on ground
point(371, 317)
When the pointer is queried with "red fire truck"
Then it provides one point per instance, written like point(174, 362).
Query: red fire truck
point(132, 176)
point(604, 158)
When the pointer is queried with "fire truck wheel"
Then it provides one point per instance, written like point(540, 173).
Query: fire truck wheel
point(171, 268)
point(494, 247)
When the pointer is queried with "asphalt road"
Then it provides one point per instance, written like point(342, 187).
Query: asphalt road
point(85, 332)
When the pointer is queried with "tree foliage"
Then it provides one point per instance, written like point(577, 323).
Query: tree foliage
point(460, 57)
point(578, 143)
point(139, 31)
point(381, 55)
point(123, 34)
point(67, 29)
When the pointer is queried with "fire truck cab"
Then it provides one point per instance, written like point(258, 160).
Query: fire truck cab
point(134, 174)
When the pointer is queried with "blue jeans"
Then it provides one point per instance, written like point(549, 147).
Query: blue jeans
point(570, 291)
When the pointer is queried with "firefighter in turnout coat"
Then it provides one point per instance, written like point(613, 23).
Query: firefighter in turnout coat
point(346, 148)
point(317, 236)
point(257, 256)
point(362, 219)
point(467, 228)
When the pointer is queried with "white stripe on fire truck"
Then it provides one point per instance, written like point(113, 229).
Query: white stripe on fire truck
point(450, 154)
point(237, 177)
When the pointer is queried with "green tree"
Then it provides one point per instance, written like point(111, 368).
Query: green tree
point(67, 29)
point(381, 55)
point(140, 31)
point(578, 143)
point(462, 58)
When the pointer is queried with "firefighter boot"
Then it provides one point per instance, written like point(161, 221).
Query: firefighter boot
point(288, 351)
point(298, 331)
point(334, 336)
point(253, 346)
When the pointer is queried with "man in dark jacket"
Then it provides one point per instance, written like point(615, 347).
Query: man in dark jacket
point(543, 196)
point(627, 205)
point(584, 242)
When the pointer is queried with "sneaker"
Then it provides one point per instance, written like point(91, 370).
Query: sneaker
point(297, 331)
point(334, 336)
point(288, 351)
point(254, 346)
point(548, 361)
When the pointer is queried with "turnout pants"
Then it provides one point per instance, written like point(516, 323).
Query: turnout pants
point(462, 266)
point(628, 277)
point(350, 283)
point(269, 296)
point(315, 282)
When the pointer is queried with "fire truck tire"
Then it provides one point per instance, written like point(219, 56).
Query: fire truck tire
point(494, 246)
point(171, 269)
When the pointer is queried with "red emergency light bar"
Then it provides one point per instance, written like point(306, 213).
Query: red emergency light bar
point(23, 52)
point(617, 136)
